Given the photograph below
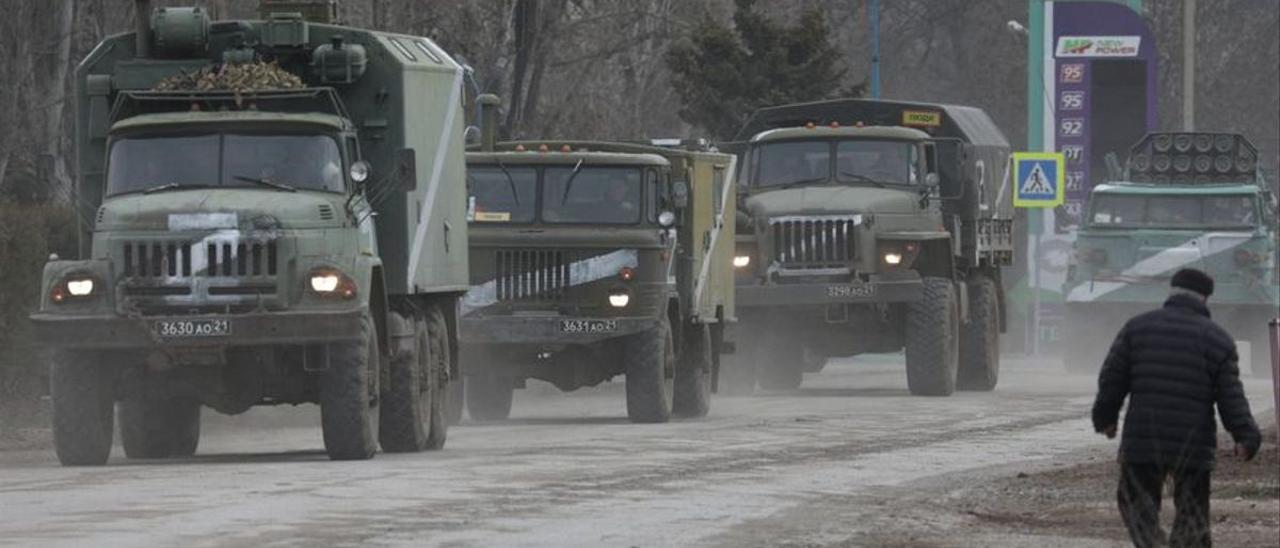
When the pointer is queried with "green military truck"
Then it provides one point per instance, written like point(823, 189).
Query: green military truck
point(252, 241)
point(870, 226)
point(1193, 200)
point(597, 259)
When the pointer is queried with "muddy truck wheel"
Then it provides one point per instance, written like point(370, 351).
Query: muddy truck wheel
point(159, 428)
point(649, 361)
point(489, 397)
point(83, 396)
point(349, 396)
point(692, 396)
point(438, 374)
point(932, 340)
point(980, 339)
point(405, 407)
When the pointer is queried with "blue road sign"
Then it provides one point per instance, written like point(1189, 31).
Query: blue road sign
point(1039, 179)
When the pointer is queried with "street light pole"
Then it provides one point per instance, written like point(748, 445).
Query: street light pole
point(1189, 65)
point(873, 16)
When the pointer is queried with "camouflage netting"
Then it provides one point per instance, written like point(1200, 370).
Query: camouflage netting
point(244, 77)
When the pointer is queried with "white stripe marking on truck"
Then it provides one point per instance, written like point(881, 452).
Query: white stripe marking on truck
point(1160, 263)
point(437, 167)
point(715, 236)
point(580, 272)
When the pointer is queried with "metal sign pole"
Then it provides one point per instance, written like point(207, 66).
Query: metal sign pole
point(1275, 367)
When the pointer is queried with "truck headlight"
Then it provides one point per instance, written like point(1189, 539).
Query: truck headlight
point(893, 258)
point(77, 286)
point(740, 261)
point(619, 299)
point(80, 287)
point(331, 282)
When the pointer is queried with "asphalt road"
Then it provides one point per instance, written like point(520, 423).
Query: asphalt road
point(569, 470)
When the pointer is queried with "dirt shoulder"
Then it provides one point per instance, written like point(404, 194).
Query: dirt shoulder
point(1065, 500)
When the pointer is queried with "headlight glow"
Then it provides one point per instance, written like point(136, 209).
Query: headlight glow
point(82, 287)
point(324, 283)
point(740, 261)
point(619, 300)
point(893, 258)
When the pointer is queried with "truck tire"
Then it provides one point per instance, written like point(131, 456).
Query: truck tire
point(813, 362)
point(692, 397)
point(159, 428)
point(457, 399)
point(83, 395)
point(980, 338)
point(349, 396)
point(649, 362)
point(438, 374)
point(932, 340)
point(406, 403)
point(489, 397)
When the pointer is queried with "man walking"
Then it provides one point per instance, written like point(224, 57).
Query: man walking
point(1174, 364)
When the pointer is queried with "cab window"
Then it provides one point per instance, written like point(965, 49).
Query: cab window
point(503, 195)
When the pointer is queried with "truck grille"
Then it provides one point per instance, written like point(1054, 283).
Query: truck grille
point(530, 274)
point(813, 243)
point(181, 259)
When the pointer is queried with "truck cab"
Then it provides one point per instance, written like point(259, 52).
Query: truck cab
point(272, 237)
point(1188, 200)
point(592, 260)
point(861, 230)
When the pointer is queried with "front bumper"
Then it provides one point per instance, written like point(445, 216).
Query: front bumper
point(254, 329)
point(544, 329)
point(877, 289)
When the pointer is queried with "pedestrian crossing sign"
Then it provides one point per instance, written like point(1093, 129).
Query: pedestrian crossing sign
point(1039, 179)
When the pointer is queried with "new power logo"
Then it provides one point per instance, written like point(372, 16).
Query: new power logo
point(1098, 46)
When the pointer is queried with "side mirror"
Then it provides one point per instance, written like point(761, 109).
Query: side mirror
point(680, 194)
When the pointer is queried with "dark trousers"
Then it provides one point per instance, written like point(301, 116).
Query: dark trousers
point(1139, 496)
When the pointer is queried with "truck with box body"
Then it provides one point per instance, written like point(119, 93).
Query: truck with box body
point(870, 226)
point(597, 259)
point(1186, 200)
point(251, 243)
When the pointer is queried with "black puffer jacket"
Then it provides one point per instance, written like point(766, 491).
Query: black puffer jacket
point(1174, 364)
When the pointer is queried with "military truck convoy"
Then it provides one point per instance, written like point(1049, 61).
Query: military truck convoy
point(259, 246)
point(597, 259)
point(280, 212)
point(870, 226)
point(1193, 200)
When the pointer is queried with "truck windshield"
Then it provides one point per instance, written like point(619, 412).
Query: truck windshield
point(854, 161)
point(1174, 211)
point(299, 161)
point(503, 195)
point(592, 195)
point(891, 162)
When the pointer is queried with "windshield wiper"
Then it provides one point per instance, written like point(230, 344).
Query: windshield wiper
point(171, 186)
point(792, 184)
point(510, 182)
point(265, 182)
point(568, 185)
point(861, 177)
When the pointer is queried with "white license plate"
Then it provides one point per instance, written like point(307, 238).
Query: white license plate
point(588, 326)
point(850, 290)
point(176, 329)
